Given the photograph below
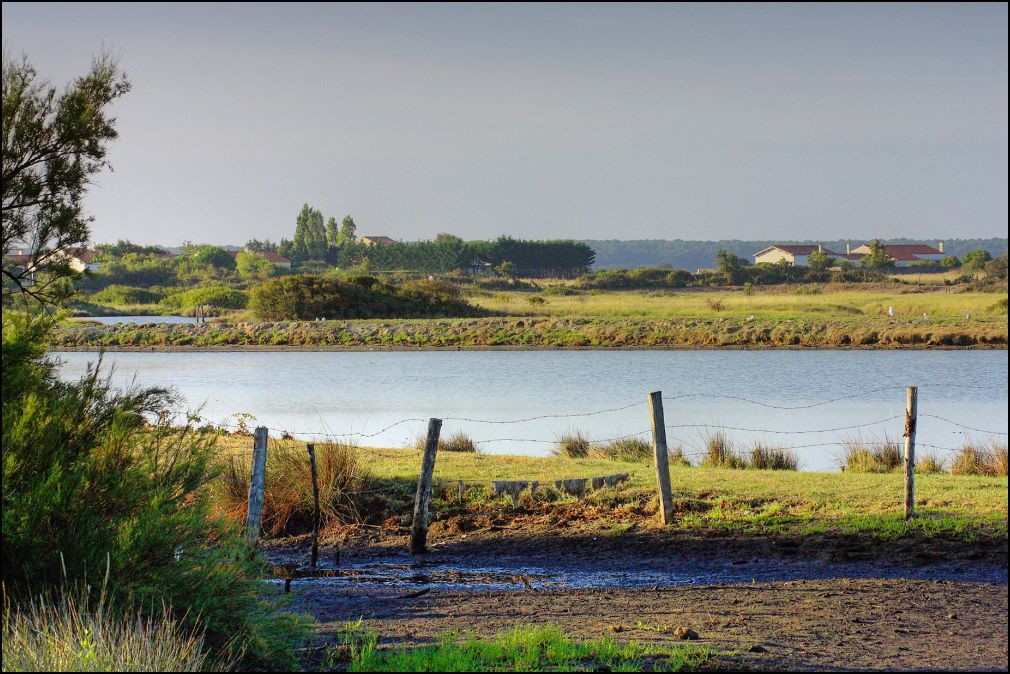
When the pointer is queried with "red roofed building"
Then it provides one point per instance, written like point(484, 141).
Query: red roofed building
point(905, 254)
point(267, 255)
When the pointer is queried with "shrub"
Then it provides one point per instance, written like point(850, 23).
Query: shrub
point(62, 633)
point(458, 442)
point(719, 453)
point(676, 457)
point(764, 457)
point(573, 444)
point(976, 459)
point(307, 297)
point(288, 504)
point(95, 477)
point(625, 449)
point(880, 457)
point(930, 464)
point(118, 294)
point(214, 295)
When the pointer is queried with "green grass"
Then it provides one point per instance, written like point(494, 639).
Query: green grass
point(65, 634)
point(525, 648)
point(750, 502)
point(772, 302)
point(763, 316)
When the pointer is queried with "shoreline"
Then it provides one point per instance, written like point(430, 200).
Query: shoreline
point(258, 348)
point(539, 333)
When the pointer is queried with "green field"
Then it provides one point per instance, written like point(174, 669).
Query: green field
point(746, 502)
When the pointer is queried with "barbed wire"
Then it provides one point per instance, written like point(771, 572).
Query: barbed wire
point(546, 416)
point(955, 423)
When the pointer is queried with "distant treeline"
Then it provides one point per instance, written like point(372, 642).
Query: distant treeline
point(504, 255)
point(692, 255)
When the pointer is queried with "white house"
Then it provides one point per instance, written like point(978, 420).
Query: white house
point(796, 255)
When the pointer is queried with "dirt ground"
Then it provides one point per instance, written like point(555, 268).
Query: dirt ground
point(825, 625)
point(761, 607)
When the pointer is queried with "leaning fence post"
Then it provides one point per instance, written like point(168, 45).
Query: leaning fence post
point(661, 453)
point(911, 415)
point(419, 528)
point(314, 556)
point(256, 485)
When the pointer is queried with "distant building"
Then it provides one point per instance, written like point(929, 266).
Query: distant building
point(795, 255)
point(798, 256)
point(79, 259)
point(376, 240)
point(267, 255)
point(904, 254)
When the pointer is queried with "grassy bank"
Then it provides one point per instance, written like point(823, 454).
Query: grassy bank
point(548, 332)
point(716, 501)
point(525, 648)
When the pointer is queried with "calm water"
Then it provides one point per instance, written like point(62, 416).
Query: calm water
point(336, 393)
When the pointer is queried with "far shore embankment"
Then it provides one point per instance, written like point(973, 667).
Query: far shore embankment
point(541, 333)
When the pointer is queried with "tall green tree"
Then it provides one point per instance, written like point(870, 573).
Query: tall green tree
point(348, 230)
point(818, 260)
point(54, 143)
point(332, 232)
point(877, 259)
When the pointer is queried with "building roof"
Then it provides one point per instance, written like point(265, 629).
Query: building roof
point(19, 260)
point(904, 252)
point(384, 240)
point(795, 250)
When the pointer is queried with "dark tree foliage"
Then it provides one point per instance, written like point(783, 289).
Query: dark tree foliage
point(53, 144)
point(308, 297)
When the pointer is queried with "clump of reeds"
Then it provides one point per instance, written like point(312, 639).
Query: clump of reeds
point(871, 457)
point(457, 442)
point(930, 464)
point(288, 505)
point(977, 459)
point(625, 449)
point(676, 457)
point(720, 453)
point(62, 633)
point(767, 457)
point(573, 445)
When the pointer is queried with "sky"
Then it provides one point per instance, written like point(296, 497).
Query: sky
point(543, 121)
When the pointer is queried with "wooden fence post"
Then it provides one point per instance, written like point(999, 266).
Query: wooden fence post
point(911, 417)
point(662, 458)
point(314, 556)
point(419, 528)
point(257, 482)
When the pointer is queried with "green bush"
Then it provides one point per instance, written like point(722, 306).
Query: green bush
point(122, 295)
point(308, 297)
point(96, 479)
point(215, 295)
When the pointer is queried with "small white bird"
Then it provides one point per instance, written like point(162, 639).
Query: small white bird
point(967, 316)
point(890, 311)
point(751, 317)
point(925, 315)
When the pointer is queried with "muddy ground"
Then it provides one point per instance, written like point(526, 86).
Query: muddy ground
point(760, 605)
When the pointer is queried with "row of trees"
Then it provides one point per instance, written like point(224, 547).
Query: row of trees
point(325, 242)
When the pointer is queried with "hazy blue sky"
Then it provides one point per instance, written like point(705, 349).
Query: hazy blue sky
point(618, 121)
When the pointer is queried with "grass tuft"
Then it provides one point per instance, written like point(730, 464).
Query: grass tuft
point(574, 445)
point(765, 457)
point(65, 634)
point(525, 648)
point(977, 459)
point(870, 457)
